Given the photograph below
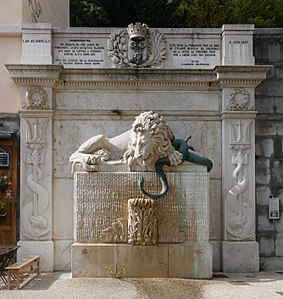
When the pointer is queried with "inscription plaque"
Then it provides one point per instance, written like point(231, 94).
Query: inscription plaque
point(199, 54)
point(80, 52)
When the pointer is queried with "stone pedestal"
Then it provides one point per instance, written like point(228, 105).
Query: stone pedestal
point(188, 260)
point(101, 224)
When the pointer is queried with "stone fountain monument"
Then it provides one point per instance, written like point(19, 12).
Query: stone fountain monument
point(117, 222)
point(138, 199)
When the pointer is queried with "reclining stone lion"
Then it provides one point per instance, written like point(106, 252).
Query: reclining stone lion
point(146, 147)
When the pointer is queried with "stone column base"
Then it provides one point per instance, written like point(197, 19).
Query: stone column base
point(240, 256)
point(43, 248)
point(189, 260)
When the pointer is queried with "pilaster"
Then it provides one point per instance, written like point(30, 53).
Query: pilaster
point(238, 178)
point(36, 175)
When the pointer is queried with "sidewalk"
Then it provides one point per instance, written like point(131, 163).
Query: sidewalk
point(223, 285)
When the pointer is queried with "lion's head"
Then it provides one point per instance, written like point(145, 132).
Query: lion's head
point(150, 139)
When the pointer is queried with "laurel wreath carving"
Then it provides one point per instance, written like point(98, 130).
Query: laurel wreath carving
point(31, 103)
point(240, 106)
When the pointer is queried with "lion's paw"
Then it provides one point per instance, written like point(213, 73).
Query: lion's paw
point(176, 158)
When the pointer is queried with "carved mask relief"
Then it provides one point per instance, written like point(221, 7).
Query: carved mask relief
point(137, 43)
point(136, 46)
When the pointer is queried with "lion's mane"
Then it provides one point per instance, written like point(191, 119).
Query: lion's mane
point(158, 133)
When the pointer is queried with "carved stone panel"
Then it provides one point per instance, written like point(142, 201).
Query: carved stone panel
point(101, 206)
point(239, 200)
point(35, 196)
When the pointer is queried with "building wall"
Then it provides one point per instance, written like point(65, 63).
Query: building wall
point(10, 51)
point(16, 12)
point(12, 14)
point(268, 50)
point(55, 12)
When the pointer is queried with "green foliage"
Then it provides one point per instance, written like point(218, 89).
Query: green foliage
point(176, 13)
point(119, 273)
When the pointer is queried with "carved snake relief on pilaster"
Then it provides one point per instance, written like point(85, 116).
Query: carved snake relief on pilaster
point(239, 225)
point(36, 225)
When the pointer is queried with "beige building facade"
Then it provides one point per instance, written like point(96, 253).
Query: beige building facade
point(14, 14)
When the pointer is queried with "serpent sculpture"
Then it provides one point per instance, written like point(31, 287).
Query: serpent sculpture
point(188, 155)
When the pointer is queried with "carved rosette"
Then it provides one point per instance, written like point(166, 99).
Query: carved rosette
point(240, 100)
point(240, 208)
point(35, 99)
point(142, 221)
point(34, 225)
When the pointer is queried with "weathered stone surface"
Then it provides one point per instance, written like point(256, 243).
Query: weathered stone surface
point(264, 148)
point(62, 253)
point(63, 209)
point(270, 127)
point(190, 260)
point(215, 206)
point(93, 260)
point(264, 224)
point(266, 246)
point(262, 195)
point(279, 244)
point(278, 223)
point(271, 263)
point(143, 261)
point(245, 256)
point(216, 253)
point(263, 171)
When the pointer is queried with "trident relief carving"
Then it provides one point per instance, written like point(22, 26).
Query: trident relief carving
point(34, 224)
point(239, 223)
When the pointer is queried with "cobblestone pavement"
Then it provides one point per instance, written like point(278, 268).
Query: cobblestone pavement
point(222, 285)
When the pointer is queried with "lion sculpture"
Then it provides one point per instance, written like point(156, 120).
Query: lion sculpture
point(146, 147)
point(139, 148)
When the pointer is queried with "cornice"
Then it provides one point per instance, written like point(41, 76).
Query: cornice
point(40, 75)
point(144, 79)
point(244, 75)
